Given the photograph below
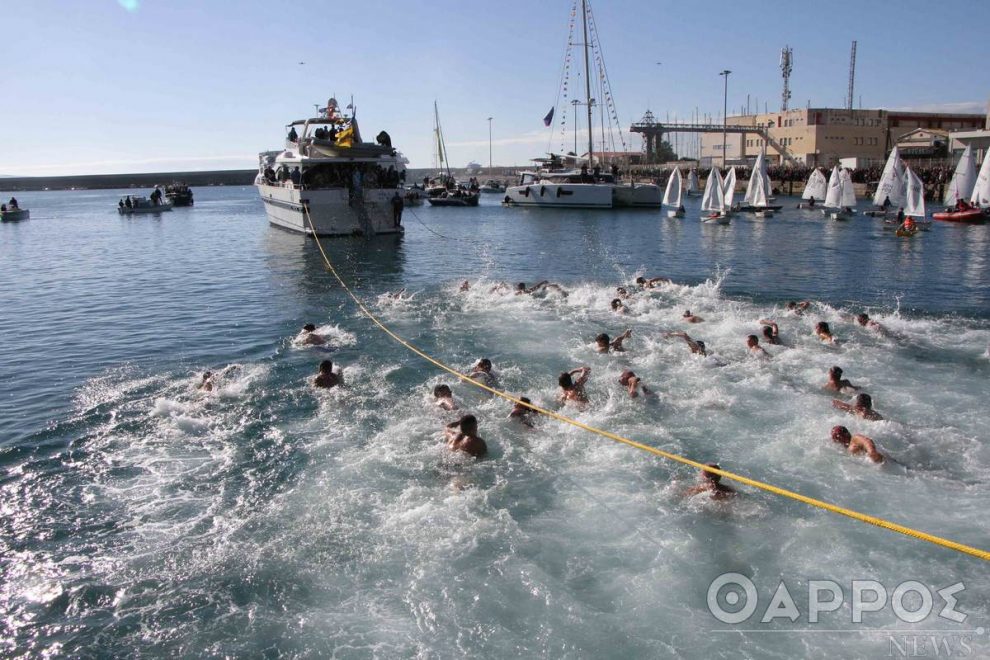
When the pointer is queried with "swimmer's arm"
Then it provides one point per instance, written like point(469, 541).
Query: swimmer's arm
point(841, 405)
point(583, 372)
point(617, 342)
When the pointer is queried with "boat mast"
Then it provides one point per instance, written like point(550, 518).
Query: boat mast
point(587, 79)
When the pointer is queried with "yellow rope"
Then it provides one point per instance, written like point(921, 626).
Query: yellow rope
point(855, 515)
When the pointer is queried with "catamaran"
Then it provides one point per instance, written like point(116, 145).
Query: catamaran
point(553, 186)
point(672, 195)
point(713, 201)
point(840, 198)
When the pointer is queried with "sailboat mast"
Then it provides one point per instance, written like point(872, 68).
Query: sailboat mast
point(587, 79)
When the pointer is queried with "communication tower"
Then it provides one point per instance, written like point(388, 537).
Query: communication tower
point(852, 76)
point(786, 64)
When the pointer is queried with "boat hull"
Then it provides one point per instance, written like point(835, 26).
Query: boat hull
point(646, 196)
point(13, 215)
point(675, 213)
point(716, 218)
point(141, 210)
point(466, 200)
point(564, 195)
point(333, 211)
point(973, 215)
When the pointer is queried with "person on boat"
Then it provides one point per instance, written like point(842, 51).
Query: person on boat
point(711, 484)
point(293, 136)
point(862, 406)
point(327, 378)
point(900, 215)
point(886, 203)
point(681, 209)
point(462, 435)
point(206, 385)
point(120, 204)
point(397, 205)
point(633, 384)
point(696, 345)
point(521, 413)
point(603, 344)
point(691, 318)
point(962, 205)
point(12, 204)
point(652, 282)
point(798, 308)
point(811, 202)
point(753, 344)
point(770, 331)
point(443, 397)
point(618, 307)
point(482, 372)
point(856, 444)
point(836, 383)
point(824, 332)
point(571, 389)
point(309, 336)
point(3, 208)
point(128, 202)
point(295, 176)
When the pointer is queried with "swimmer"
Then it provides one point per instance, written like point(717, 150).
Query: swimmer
point(206, 384)
point(652, 282)
point(462, 435)
point(862, 406)
point(753, 343)
point(837, 383)
point(691, 318)
point(482, 372)
point(696, 346)
point(465, 286)
point(618, 307)
point(398, 295)
point(633, 384)
point(501, 287)
point(327, 378)
point(856, 444)
point(443, 397)
point(868, 323)
point(711, 483)
point(573, 390)
point(521, 413)
point(771, 332)
point(309, 336)
point(798, 308)
point(824, 333)
point(622, 292)
point(545, 284)
point(603, 344)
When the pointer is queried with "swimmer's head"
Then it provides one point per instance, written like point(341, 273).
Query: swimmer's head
point(207, 375)
point(524, 400)
point(768, 332)
point(626, 377)
point(863, 318)
point(822, 328)
point(309, 327)
point(701, 345)
point(621, 290)
point(469, 425)
point(835, 372)
point(752, 341)
point(711, 476)
point(564, 380)
point(484, 364)
point(326, 367)
point(841, 434)
point(864, 401)
point(442, 391)
point(521, 286)
point(616, 303)
point(641, 280)
point(792, 305)
point(602, 340)
point(687, 313)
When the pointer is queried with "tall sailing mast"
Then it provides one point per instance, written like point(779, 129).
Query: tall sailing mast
point(587, 79)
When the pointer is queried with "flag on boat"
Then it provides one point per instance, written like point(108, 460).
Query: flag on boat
point(548, 118)
point(345, 138)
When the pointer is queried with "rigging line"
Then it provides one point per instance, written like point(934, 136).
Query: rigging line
point(656, 451)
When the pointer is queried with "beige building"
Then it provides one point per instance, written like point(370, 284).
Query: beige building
point(821, 136)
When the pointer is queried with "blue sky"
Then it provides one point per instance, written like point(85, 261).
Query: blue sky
point(104, 86)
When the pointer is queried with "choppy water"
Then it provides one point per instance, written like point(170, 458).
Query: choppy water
point(140, 515)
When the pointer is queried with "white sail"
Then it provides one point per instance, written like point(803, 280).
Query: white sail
point(729, 188)
point(692, 181)
point(759, 191)
point(915, 204)
point(847, 198)
point(713, 200)
point(672, 195)
point(755, 181)
point(981, 193)
point(963, 179)
point(892, 181)
point(816, 186)
point(833, 196)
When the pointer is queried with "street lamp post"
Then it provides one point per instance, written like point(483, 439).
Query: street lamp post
point(489, 145)
point(725, 110)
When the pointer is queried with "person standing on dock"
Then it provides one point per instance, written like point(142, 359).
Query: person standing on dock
point(397, 205)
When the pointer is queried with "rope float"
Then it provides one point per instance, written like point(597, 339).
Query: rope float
point(842, 511)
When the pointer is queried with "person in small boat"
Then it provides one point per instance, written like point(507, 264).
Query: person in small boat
point(862, 406)
point(327, 378)
point(824, 332)
point(681, 209)
point(571, 389)
point(12, 204)
point(521, 413)
point(856, 444)
point(128, 202)
point(443, 397)
point(836, 383)
point(652, 282)
point(908, 225)
point(811, 202)
point(120, 204)
point(618, 307)
point(691, 318)
point(697, 346)
point(462, 435)
point(633, 384)
point(603, 344)
point(886, 203)
point(711, 483)
point(397, 205)
point(900, 215)
point(293, 136)
point(753, 344)
point(3, 208)
point(963, 205)
point(310, 337)
point(770, 331)
point(206, 385)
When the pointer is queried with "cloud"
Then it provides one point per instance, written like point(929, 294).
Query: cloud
point(247, 160)
point(961, 107)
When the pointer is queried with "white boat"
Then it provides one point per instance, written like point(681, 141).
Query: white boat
point(327, 181)
point(414, 196)
point(963, 179)
point(140, 205)
point(729, 188)
point(840, 198)
point(492, 187)
point(693, 188)
point(758, 189)
point(672, 195)
point(914, 204)
point(713, 201)
point(551, 187)
point(13, 214)
point(815, 189)
point(981, 189)
point(892, 186)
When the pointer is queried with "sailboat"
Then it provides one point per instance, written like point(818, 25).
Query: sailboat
point(729, 189)
point(713, 201)
point(553, 186)
point(672, 195)
point(840, 198)
point(981, 191)
point(693, 189)
point(758, 191)
point(448, 193)
point(965, 185)
point(914, 205)
point(890, 188)
point(814, 190)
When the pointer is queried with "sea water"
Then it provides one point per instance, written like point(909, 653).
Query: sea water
point(143, 516)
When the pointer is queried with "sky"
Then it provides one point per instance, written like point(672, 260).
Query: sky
point(113, 86)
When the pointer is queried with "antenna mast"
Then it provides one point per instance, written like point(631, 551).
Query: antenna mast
point(852, 76)
point(786, 65)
